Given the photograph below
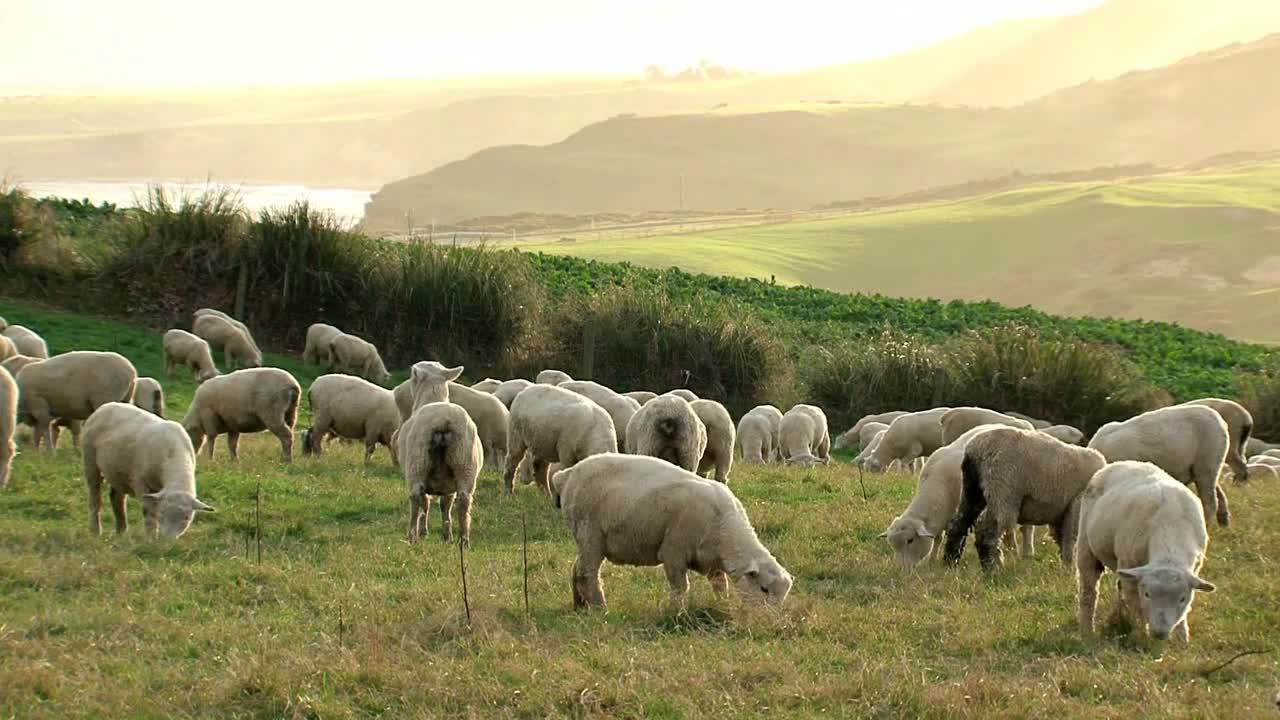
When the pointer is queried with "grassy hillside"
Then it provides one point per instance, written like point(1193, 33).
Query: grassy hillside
point(1201, 249)
point(343, 619)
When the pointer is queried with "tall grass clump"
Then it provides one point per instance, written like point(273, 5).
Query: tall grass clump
point(891, 372)
point(1261, 395)
point(185, 234)
point(21, 225)
point(643, 339)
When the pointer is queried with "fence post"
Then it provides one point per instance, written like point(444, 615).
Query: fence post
point(588, 349)
point(242, 288)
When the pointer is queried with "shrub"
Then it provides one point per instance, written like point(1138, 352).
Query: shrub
point(1261, 396)
point(891, 372)
point(22, 225)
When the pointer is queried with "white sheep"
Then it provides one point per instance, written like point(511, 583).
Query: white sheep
point(1269, 471)
point(644, 511)
point(69, 387)
point(1148, 528)
point(551, 377)
point(1256, 446)
point(139, 454)
point(317, 351)
point(17, 362)
point(641, 396)
point(1013, 476)
point(668, 428)
point(8, 424)
point(148, 395)
point(429, 382)
point(1239, 429)
point(1189, 442)
point(239, 325)
point(487, 385)
point(1036, 423)
point(353, 408)
point(686, 395)
point(756, 437)
point(909, 436)
point(774, 416)
point(27, 341)
point(509, 389)
point(491, 417)
point(7, 348)
point(1065, 433)
point(718, 455)
point(957, 421)
point(192, 351)
point(358, 356)
point(440, 455)
point(621, 409)
point(244, 401)
point(885, 417)
point(877, 431)
point(238, 348)
point(803, 437)
point(554, 425)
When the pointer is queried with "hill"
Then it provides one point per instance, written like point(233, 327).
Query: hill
point(806, 155)
point(1198, 248)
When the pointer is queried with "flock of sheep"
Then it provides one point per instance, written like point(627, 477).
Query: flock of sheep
point(629, 471)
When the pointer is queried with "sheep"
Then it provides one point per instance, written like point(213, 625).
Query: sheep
point(915, 534)
point(354, 408)
point(774, 416)
point(860, 437)
point(1149, 529)
point(621, 409)
point(668, 428)
point(869, 432)
point(1064, 433)
point(1013, 476)
point(718, 454)
point(148, 395)
point(555, 425)
point(69, 387)
point(17, 362)
point(1265, 459)
point(184, 348)
point(869, 448)
point(957, 421)
point(1239, 429)
point(551, 377)
point(358, 356)
point(150, 458)
point(8, 423)
point(239, 325)
point(490, 416)
point(756, 438)
point(1036, 423)
point(487, 385)
point(908, 437)
point(317, 350)
point(1256, 446)
point(509, 389)
point(7, 348)
point(645, 511)
point(1189, 442)
point(1265, 470)
point(641, 396)
point(27, 342)
point(687, 395)
point(441, 455)
point(3, 324)
point(803, 438)
point(244, 401)
point(429, 382)
point(238, 348)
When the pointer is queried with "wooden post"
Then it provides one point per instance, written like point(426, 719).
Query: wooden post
point(588, 350)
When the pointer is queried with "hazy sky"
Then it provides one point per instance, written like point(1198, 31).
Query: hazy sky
point(79, 45)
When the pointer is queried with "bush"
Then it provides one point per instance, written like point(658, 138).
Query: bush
point(1262, 397)
point(891, 372)
point(644, 340)
point(22, 225)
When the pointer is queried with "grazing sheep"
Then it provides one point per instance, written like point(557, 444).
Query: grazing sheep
point(644, 511)
point(317, 351)
point(1014, 476)
point(69, 387)
point(1189, 442)
point(687, 395)
point(17, 362)
point(915, 534)
point(403, 394)
point(148, 395)
point(487, 385)
point(359, 357)
point(1064, 433)
point(192, 351)
point(621, 409)
point(1256, 446)
point(641, 396)
point(7, 348)
point(1269, 471)
point(440, 454)
point(509, 389)
point(886, 418)
point(238, 348)
point(551, 377)
point(869, 432)
point(150, 458)
point(1239, 429)
point(718, 455)
point(803, 437)
point(27, 341)
point(244, 401)
point(909, 436)
point(869, 448)
point(1036, 423)
point(774, 416)
point(1265, 459)
point(957, 421)
point(490, 416)
point(756, 437)
point(353, 408)
point(859, 438)
point(668, 428)
point(8, 424)
point(1149, 529)
point(555, 425)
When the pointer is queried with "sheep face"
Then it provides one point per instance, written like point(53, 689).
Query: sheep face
point(847, 440)
point(911, 541)
point(1164, 595)
point(765, 582)
point(174, 511)
point(430, 382)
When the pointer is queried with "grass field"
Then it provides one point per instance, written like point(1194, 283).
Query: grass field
point(343, 619)
point(1201, 249)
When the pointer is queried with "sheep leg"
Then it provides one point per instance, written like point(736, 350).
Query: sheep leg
point(515, 454)
point(1130, 605)
point(1224, 511)
point(1182, 630)
point(1066, 531)
point(118, 509)
point(1089, 571)
point(6, 462)
point(1205, 488)
point(986, 538)
point(958, 529)
point(44, 431)
point(1028, 547)
point(719, 582)
point(211, 439)
point(93, 480)
point(678, 578)
point(75, 426)
point(285, 433)
point(464, 518)
point(587, 588)
point(1010, 539)
point(415, 509)
point(446, 516)
point(542, 475)
point(233, 445)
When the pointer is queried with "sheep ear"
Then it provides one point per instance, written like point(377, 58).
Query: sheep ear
point(884, 534)
point(1201, 584)
point(1135, 573)
point(452, 373)
point(415, 372)
point(924, 532)
point(200, 506)
point(153, 496)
